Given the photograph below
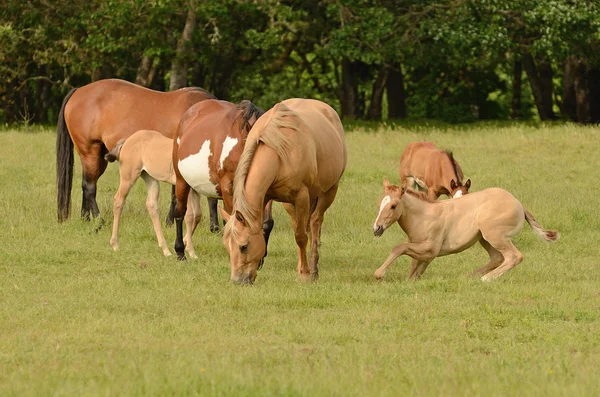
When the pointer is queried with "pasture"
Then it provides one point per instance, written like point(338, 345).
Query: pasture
point(77, 318)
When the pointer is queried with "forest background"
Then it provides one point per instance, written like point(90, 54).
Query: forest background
point(450, 60)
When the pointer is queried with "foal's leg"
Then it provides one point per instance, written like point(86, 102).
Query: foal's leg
point(153, 191)
point(421, 251)
point(512, 257)
point(192, 218)
point(127, 180)
point(496, 259)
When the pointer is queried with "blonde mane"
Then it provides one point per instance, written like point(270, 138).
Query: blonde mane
point(271, 136)
point(420, 195)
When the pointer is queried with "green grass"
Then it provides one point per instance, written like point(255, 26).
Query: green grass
point(77, 318)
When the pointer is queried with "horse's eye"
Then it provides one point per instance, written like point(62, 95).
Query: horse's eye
point(394, 206)
point(244, 248)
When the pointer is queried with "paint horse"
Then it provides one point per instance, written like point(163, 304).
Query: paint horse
point(422, 165)
point(207, 147)
point(295, 154)
point(149, 154)
point(97, 116)
point(437, 228)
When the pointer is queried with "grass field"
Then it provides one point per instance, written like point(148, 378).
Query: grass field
point(78, 319)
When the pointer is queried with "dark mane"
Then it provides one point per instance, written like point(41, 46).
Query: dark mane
point(202, 90)
point(453, 162)
point(420, 195)
point(247, 110)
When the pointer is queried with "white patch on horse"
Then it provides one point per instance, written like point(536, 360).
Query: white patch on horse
point(178, 141)
point(195, 169)
point(384, 201)
point(458, 194)
point(228, 146)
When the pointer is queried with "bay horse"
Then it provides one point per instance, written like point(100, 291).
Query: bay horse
point(97, 116)
point(423, 165)
point(437, 228)
point(206, 151)
point(149, 154)
point(295, 154)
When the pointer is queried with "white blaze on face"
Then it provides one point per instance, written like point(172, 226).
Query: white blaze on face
point(384, 201)
point(195, 169)
point(228, 146)
point(458, 194)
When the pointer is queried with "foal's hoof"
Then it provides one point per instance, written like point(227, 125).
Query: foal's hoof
point(378, 276)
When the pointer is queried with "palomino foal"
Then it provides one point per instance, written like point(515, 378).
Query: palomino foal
point(149, 154)
point(422, 164)
point(437, 228)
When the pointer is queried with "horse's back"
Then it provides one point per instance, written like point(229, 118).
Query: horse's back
point(492, 204)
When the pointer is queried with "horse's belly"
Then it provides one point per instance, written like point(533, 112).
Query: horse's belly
point(195, 169)
point(459, 243)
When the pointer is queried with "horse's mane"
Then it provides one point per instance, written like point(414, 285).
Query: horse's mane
point(246, 111)
point(420, 195)
point(453, 162)
point(271, 136)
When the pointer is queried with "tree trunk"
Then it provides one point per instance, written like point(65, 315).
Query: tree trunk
point(594, 87)
point(516, 90)
point(374, 112)
point(146, 71)
point(582, 92)
point(349, 91)
point(540, 79)
point(569, 103)
point(184, 50)
point(396, 93)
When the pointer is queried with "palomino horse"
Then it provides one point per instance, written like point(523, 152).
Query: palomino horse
point(97, 116)
point(295, 154)
point(208, 145)
point(433, 170)
point(149, 154)
point(437, 228)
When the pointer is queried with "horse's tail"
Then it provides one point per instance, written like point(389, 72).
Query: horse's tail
point(115, 153)
point(548, 235)
point(64, 163)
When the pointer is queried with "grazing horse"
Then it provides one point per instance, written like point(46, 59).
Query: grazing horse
point(434, 170)
point(97, 116)
point(437, 228)
point(295, 154)
point(149, 154)
point(207, 147)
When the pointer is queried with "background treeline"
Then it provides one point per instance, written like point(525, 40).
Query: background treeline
point(453, 60)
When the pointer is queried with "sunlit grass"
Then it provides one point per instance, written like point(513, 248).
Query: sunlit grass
point(77, 318)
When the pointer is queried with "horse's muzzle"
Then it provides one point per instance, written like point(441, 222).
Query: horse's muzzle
point(378, 230)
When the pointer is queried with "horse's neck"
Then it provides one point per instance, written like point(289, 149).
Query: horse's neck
point(447, 172)
point(415, 210)
point(261, 175)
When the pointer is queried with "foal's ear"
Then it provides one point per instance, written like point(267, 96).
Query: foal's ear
point(468, 184)
point(240, 218)
point(386, 183)
point(224, 214)
point(452, 184)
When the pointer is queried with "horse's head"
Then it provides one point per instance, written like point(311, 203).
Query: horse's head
point(457, 189)
point(390, 207)
point(246, 247)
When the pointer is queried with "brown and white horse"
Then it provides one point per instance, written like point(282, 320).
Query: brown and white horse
point(206, 150)
point(97, 116)
point(437, 228)
point(295, 154)
point(425, 166)
point(149, 154)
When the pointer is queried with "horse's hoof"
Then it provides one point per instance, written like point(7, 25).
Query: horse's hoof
point(378, 276)
point(181, 258)
point(115, 247)
point(193, 255)
point(167, 253)
point(215, 229)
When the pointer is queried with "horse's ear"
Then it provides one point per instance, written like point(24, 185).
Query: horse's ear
point(224, 214)
point(452, 184)
point(386, 183)
point(240, 218)
point(468, 184)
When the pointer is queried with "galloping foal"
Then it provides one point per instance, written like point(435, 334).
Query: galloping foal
point(149, 154)
point(437, 228)
point(422, 164)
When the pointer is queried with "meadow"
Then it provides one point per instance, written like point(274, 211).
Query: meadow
point(78, 319)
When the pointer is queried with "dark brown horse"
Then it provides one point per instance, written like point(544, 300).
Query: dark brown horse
point(97, 116)
point(206, 151)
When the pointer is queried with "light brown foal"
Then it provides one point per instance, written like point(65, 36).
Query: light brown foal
point(437, 228)
point(423, 165)
point(149, 154)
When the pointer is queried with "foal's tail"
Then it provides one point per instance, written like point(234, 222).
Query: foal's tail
point(115, 153)
point(548, 235)
point(64, 163)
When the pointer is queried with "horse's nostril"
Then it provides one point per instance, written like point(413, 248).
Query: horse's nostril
point(378, 230)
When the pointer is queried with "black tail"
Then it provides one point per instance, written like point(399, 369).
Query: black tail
point(64, 163)
point(115, 153)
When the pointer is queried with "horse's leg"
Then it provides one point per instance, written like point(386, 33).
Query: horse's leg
point(300, 218)
point(126, 183)
point(171, 214)
point(268, 224)
point(431, 193)
point(93, 166)
point(512, 257)
point(417, 268)
point(192, 218)
point(421, 251)
point(214, 215)
point(153, 192)
point(182, 190)
point(316, 221)
point(496, 259)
